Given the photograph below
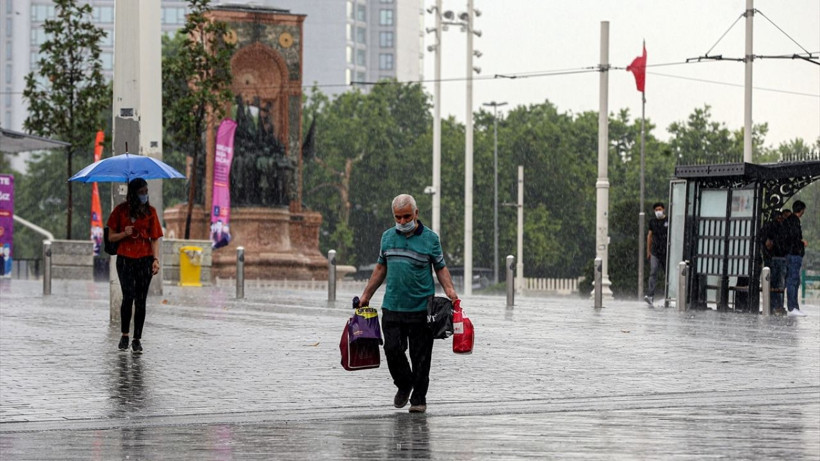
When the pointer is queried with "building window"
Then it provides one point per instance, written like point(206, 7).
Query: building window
point(386, 17)
point(348, 73)
point(107, 39)
point(8, 51)
point(7, 97)
point(349, 53)
point(386, 61)
point(350, 32)
point(361, 35)
point(8, 73)
point(386, 39)
point(40, 13)
point(173, 16)
point(8, 27)
point(107, 61)
point(361, 13)
point(361, 77)
point(385, 1)
point(103, 14)
point(361, 57)
point(38, 37)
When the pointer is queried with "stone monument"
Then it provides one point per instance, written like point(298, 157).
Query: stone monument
point(280, 239)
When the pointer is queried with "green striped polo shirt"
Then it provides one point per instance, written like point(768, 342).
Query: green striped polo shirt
point(409, 275)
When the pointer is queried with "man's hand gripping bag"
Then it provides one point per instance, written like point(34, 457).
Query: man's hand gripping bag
point(463, 333)
point(361, 338)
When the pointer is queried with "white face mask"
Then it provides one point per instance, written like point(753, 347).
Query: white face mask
point(406, 227)
point(659, 214)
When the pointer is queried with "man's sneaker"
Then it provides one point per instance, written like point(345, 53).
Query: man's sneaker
point(796, 312)
point(649, 300)
point(420, 408)
point(401, 398)
point(136, 346)
point(123, 346)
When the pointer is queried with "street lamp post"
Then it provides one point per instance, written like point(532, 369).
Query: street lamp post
point(466, 23)
point(495, 106)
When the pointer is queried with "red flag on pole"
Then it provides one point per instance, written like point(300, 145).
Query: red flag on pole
point(638, 68)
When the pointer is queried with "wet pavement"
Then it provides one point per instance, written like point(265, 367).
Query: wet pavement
point(551, 378)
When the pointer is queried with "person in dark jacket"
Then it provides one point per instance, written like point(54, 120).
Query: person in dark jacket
point(773, 250)
point(795, 249)
point(656, 244)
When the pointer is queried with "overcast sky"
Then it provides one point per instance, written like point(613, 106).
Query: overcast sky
point(530, 36)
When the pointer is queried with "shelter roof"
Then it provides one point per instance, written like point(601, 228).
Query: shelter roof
point(750, 171)
point(12, 142)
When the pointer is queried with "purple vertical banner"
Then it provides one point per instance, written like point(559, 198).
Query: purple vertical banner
point(221, 211)
point(6, 223)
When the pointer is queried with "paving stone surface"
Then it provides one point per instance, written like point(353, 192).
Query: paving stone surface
point(260, 378)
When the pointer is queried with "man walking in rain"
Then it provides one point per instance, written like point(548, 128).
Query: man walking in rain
point(407, 253)
point(656, 243)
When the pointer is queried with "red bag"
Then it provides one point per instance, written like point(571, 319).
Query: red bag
point(360, 354)
point(463, 333)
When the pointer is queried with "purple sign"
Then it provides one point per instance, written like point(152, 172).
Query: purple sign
point(6, 223)
point(221, 211)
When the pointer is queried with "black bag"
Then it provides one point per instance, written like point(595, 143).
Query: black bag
point(440, 316)
point(109, 246)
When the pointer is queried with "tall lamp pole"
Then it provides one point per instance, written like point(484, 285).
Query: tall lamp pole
point(436, 48)
point(466, 23)
point(495, 106)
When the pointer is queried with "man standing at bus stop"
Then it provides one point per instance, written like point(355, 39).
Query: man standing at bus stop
point(796, 248)
point(656, 243)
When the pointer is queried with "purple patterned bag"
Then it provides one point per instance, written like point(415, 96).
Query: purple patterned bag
point(365, 324)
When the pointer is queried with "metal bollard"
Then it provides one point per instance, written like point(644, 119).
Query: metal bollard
point(510, 280)
point(599, 289)
point(766, 291)
point(331, 275)
point(240, 272)
point(683, 282)
point(46, 267)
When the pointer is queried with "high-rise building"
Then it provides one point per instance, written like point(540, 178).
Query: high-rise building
point(21, 23)
point(349, 41)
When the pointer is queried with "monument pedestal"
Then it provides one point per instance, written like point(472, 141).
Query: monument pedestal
point(279, 244)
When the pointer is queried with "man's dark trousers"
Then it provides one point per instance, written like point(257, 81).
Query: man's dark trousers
point(403, 329)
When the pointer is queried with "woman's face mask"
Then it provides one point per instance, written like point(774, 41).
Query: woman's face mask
point(143, 198)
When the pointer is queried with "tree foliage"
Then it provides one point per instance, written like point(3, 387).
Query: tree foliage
point(196, 82)
point(67, 94)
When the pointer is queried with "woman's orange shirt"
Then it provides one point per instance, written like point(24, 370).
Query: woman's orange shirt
point(146, 228)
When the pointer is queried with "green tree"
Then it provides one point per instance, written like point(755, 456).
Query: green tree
point(67, 94)
point(369, 147)
point(203, 62)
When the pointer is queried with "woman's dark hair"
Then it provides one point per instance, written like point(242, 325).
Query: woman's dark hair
point(135, 208)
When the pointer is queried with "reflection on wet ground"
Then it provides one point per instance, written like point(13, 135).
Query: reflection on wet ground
point(260, 379)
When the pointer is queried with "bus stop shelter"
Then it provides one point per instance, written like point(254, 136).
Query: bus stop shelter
point(716, 213)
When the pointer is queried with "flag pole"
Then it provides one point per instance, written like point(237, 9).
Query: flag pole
point(642, 214)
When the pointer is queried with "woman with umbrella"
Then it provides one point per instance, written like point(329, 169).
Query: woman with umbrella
point(135, 226)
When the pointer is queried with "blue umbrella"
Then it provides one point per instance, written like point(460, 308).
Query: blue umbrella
point(124, 168)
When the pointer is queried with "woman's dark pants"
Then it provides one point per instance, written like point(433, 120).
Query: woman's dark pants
point(135, 276)
point(403, 329)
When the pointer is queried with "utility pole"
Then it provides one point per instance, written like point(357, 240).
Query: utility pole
point(137, 107)
point(468, 159)
point(747, 86)
point(437, 124)
point(495, 106)
point(602, 185)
